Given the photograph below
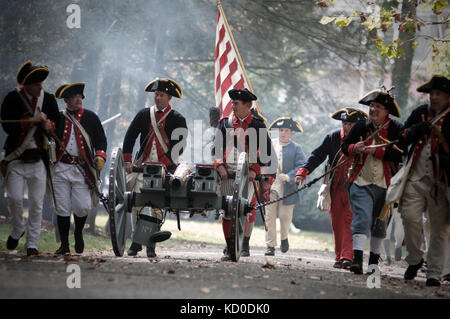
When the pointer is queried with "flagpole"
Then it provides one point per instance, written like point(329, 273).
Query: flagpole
point(219, 4)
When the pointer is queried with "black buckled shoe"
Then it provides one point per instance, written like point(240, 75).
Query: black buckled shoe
point(411, 271)
point(424, 267)
point(270, 251)
point(284, 245)
point(338, 265)
point(32, 252)
point(134, 249)
point(346, 263)
point(63, 249)
point(432, 282)
point(79, 243)
point(12, 243)
point(357, 265)
point(446, 278)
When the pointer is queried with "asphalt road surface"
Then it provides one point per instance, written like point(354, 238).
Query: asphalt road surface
point(195, 272)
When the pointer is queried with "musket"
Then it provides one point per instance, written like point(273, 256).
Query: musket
point(112, 118)
point(386, 144)
point(20, 121)
point(259, 202)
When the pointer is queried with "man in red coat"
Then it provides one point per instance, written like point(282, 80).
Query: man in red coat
point(340, 210)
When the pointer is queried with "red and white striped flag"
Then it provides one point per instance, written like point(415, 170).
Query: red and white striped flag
point(228, 72)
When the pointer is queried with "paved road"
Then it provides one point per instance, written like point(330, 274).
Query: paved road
point(195, 271)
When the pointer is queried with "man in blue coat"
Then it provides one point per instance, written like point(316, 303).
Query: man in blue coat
point(290, 157)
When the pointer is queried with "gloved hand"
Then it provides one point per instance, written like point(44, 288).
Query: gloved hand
point(99, 163)
point(416, 131)
point(283, 177)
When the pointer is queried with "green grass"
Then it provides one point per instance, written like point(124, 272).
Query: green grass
point(191, 232)
point(211, 233)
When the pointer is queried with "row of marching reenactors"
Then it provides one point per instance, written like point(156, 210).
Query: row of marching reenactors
point(371, 149)
point(30, 116)
point(363, 155)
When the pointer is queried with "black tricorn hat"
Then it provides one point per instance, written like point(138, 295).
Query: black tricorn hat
point(242, 95)
point(68, 90)
point(437, 82)
point(29, 73)
point(382, 98)
point(349, 114)
point(165, 85)
point(286, 122)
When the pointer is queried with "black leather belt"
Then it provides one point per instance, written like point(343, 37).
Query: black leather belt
point(30, 156)
point(72, 159)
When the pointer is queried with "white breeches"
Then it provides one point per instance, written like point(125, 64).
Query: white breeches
point(35, 177)
point(71, 191)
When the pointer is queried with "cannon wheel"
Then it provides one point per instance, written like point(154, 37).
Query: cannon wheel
point(238, 216)
point(117, 202)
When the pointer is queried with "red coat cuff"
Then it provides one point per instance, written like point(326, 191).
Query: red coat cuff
point(255, 167)
point(302, 172)
point(127, 157)
point(102, 154)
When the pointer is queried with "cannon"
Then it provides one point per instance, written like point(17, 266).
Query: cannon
point(199, 193)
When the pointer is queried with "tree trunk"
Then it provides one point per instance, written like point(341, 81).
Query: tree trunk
point(401, 73)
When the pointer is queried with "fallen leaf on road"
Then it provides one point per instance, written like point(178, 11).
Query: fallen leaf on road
point(295, 283)
point(248, 277)
point(322, 292)
point(299, 259)
point(316, 277)
point(234, 286)
point(68, 258)
point(170, 271)
point(205, 290)
point(268, 266)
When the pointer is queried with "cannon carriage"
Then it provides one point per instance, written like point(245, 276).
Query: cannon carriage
point(197, 193)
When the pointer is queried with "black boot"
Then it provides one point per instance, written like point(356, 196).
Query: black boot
point(78, 233)
point(12, 243)
point(63, 228)
point(373, 260)
point(151, 250)
point(245, 252)
point(284, 245)
point(226, 252)
point(411, 271)
point(357, 265)
point(134, 249)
